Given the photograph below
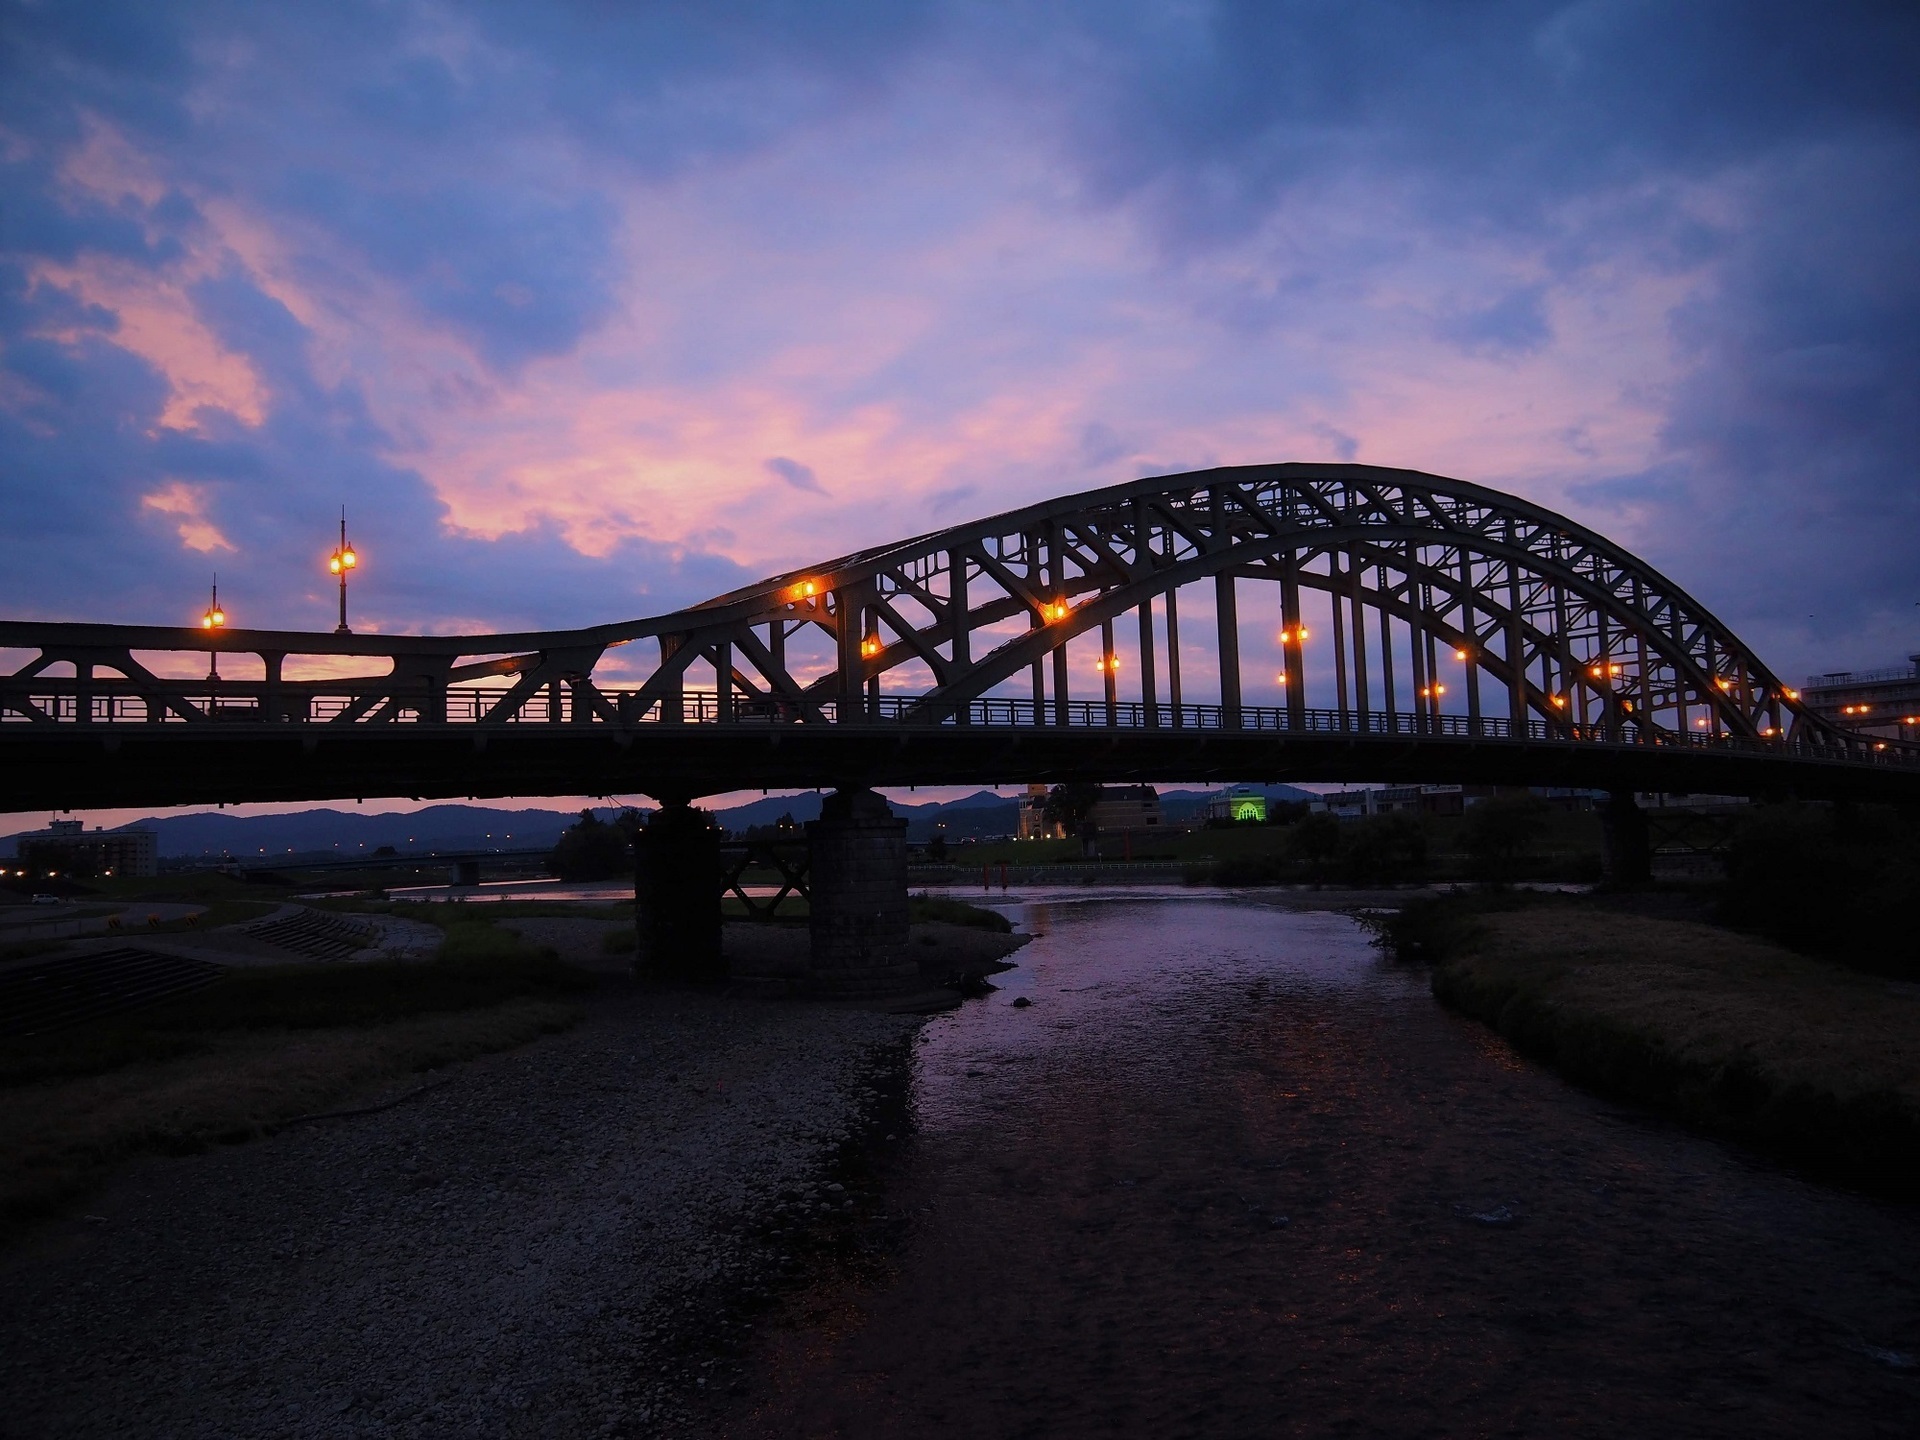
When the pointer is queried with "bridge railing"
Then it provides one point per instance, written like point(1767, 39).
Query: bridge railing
point(109, 702)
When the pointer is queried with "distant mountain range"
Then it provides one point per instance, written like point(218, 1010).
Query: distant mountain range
point(339, 833)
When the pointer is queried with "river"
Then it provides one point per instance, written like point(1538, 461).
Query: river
point(1230, 1171)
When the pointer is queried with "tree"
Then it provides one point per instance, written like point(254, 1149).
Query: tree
point(1069, 806)
point(1386, 849)
point(1316, 839)
point(1499, 833)
point(595, 850)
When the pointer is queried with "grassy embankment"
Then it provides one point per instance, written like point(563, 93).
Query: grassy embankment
point(1798, 1056)
point(259, 1048)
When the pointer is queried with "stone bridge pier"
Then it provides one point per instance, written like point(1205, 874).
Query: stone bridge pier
point(857, 890)
point(858, 882)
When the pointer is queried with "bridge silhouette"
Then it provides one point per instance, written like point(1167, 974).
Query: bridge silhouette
point(1441, 631)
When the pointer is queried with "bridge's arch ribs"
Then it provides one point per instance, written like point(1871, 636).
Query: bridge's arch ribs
point(1569, 629)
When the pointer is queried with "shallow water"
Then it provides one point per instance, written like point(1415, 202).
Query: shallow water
point(1232, 1172)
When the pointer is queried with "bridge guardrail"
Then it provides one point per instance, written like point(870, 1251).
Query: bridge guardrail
point(315, 705)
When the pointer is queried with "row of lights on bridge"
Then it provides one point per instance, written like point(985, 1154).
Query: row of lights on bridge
point(343, 560)
point(1054, 611)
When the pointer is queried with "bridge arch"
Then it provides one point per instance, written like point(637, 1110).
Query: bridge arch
point(1574, 631)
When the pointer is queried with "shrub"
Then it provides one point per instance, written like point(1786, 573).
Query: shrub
point(1837, 883)
point(1385, 850)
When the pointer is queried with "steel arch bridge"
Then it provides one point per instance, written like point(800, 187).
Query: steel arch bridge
point(1400, 624)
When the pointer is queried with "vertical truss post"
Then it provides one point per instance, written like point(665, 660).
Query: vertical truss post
point(1423, 695)
point(1056, 569)
point(1149, 685)
point(1356, 583)
point(1570, 684)
point(271, 704)
point(1227, 618)
point(1107, 658)
point(1433, 666)
point(1516, 656)
point(723, 681)
point(1292, 647)
point(959, 620)
point(673, 700)
point(1338, 608)
point(1039, 695)
point(850, 618)
point(1173, 651)
point(1386, 659)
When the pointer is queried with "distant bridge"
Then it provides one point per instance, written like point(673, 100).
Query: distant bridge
point(1405, 626)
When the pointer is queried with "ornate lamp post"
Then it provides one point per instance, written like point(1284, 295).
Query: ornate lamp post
point(339, 563)
point(214, 619)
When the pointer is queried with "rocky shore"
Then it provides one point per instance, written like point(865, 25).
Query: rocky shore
point(567, 1239)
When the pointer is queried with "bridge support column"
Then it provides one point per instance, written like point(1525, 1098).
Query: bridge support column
point(676, 893)
point(466, 872)
point(1623, 828)
point(857, 878)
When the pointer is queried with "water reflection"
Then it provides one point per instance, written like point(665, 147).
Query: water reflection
point(1137, 982)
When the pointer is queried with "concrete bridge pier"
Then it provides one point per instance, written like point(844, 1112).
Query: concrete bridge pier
point(466, 872)
point(857, 878)
point(1628, 851)
point(676, 890)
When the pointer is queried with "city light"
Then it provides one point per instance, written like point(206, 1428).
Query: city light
point(1559, 702)
point(870, 646)
point(806, 590)
point(215, 616)
point(1108, 664)
point(1281, 678)
point(1294, 636)
point(1790, 694)
point(1053, 610)
point(1459, 653)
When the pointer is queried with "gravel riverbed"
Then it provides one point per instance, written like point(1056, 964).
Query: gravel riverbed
point(559, 1240)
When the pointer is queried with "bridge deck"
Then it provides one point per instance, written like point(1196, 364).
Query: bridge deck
point(77, 764)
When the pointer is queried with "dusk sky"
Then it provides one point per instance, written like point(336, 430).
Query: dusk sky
point(590, 311)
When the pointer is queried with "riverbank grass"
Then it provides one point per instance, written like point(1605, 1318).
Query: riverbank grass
point(1799, 1056)
point(258, 1048)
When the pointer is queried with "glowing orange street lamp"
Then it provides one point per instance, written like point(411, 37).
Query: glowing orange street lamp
point(1053, 610)
point(339, 563)
point(214, 619)
point(1108, 664)
point(1297, 635)
point(1460, 653)
point(870, 647)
